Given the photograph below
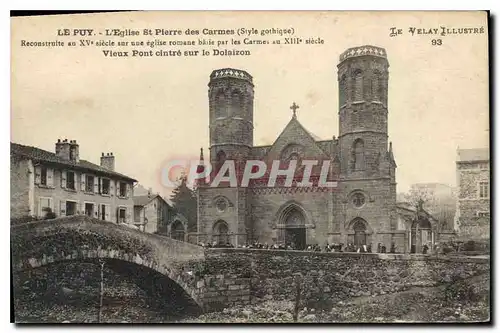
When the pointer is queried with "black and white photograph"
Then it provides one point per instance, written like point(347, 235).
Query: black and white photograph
point(250, 167)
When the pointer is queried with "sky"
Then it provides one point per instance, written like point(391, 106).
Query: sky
point(148, 111)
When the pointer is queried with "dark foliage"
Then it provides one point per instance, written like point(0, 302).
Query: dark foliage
point(185, 203)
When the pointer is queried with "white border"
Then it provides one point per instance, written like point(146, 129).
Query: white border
point(201, 5)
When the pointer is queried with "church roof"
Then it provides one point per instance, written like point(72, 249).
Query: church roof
point(143, 200)
point(260, 151)
point(314, 138)
point(406, 208)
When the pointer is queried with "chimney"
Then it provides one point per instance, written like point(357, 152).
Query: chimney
point(108, 161)
point(150, 191)
point(74, 151)
point(63, 149)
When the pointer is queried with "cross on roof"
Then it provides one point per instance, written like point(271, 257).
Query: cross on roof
point(294, 108)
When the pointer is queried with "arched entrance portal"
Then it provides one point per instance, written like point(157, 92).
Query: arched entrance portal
point(295, 229)
point(421, 236)
point(220, 233)
point(359, 228)
point(359, 233)
point(177, 231)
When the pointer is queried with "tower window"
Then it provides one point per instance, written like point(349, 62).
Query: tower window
point(221, 158)
point(358, 86)
point(236, 104)
point(359, 155)
point(376, 93)
point(220, 105)
point(343, 90)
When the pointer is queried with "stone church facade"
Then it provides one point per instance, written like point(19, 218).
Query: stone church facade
point(361, 209)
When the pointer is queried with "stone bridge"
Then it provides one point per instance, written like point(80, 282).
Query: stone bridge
point(218, 278)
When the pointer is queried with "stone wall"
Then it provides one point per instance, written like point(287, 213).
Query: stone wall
point(472, 223)
point(20, 187)
point(267, 203)
point(326, 277)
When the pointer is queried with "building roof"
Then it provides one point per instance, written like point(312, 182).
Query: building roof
point(260, 151)
point(180, 217)
point(472, 155)
point(143, 200)
point(41, 155)
point(408, 208)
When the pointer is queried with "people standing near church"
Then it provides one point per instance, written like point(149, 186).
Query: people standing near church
point(383, 248)
point(379, 248)
point(369, 248)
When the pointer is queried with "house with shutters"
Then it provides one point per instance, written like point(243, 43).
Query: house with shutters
point(61, 183)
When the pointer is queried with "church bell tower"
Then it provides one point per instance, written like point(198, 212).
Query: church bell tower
point(231, 94)
point(363, 85)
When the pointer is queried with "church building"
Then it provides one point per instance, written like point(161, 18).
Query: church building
point(361, 209)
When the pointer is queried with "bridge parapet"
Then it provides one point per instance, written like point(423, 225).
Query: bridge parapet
point(219, 278)
point(74, 230)
point(74, 238)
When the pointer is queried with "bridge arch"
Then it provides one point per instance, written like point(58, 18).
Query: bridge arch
point(80, 238)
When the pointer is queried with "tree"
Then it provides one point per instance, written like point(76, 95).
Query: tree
point(185, 203)
point(442, 208)
point(418, 197)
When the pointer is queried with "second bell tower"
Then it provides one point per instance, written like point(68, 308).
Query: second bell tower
point(363, 84)
point(230, 96)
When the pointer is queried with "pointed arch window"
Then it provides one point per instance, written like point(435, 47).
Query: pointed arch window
point(236, 104)
point(220, 105)
point(377, 86)
point(358, 153)
point(220, 159)
point(343, 90)
point(358, 86)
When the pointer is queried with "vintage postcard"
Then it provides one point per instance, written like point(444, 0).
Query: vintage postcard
point(256, 167)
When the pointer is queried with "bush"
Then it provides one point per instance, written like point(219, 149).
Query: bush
point(460, 290)
point(23, 219)
point(470, 246)
point(49, 214)
point(481, 246)
point(447, 249)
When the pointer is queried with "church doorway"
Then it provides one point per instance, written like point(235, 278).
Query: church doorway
point(421, 236)
point(295, 230)
point(296, 238)
point(177, 231)
point(359, 233)
point(220, 233)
